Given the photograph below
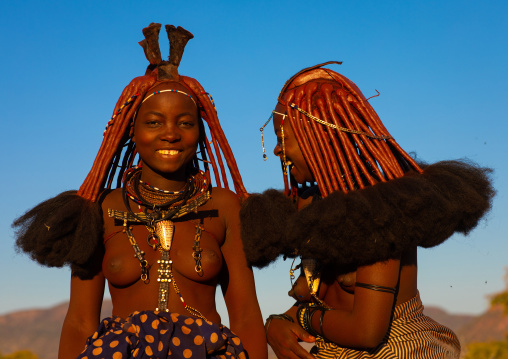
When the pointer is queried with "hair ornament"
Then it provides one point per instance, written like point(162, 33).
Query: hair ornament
point(150, 44)
point(178, 38)
point(335, 127)
point(169, 90)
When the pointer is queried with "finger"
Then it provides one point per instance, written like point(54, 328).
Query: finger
point(302, 334)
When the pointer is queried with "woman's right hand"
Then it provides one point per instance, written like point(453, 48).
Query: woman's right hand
point(283, 337)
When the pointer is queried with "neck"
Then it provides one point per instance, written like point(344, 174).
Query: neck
point(167, 182)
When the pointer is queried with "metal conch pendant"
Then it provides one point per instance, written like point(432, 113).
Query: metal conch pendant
point(165, 230)
point(311, 273)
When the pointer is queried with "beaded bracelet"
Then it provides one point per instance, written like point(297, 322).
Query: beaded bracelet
point(282, 316)
point(304, 316)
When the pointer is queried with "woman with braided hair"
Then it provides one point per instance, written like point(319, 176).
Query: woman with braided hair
point(356, 227)
point(164, 239)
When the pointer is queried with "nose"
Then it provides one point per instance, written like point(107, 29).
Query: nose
point(277, 151)
point(170, 133)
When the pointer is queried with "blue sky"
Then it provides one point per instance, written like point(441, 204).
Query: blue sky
point(440, 67)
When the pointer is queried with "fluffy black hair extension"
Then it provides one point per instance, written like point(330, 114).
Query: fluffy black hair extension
point(63, 230)
point(264, 220)
point(376, 223)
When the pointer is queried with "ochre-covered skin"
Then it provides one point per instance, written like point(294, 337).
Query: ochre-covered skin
point(119, 129)
point(372, 207)
point(167, 133)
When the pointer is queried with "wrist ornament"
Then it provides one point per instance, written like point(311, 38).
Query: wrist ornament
point(304, 317)
point(282, 316)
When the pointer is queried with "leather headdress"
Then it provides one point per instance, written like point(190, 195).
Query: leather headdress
point(178, 38)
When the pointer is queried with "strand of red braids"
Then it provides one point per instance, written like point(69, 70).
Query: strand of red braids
point(355, 149)
point(117, 152)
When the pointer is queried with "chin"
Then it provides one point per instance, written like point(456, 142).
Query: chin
point(300, 178)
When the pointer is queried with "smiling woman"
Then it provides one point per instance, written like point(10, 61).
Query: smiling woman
point(166, 134)
point(162, 288)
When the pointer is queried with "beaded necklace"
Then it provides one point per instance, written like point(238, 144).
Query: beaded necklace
point(160, 207)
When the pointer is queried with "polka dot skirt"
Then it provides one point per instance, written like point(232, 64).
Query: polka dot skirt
point(150, 334)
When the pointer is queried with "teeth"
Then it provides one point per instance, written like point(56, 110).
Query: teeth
point(168, 152)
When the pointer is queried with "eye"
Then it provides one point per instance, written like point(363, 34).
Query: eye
point(186, 124)
point(152, 123)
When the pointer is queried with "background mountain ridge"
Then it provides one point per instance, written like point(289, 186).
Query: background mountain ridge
point(38, 330)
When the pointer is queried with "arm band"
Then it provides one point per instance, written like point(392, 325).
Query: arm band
point(378, 288)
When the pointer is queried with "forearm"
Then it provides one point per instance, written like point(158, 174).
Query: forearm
point(283, 335)
point(348, 329)
point(251, 332)
point(73, 338)
point(366, 323)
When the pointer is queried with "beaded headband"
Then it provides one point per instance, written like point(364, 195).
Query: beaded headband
point(169, 90)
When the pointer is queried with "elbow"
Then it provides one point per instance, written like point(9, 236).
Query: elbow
point(361, 337)
point(372, 336)
point(370, 342)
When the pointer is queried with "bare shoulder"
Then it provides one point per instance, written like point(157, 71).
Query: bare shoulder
point(225, 198)
point(113, 199)
point(227, 203)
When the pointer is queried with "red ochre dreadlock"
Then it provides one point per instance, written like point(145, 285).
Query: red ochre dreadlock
point(118, 151)
point(341, 137)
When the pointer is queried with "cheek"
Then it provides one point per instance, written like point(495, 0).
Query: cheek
point(140, 137)
point(193, 138)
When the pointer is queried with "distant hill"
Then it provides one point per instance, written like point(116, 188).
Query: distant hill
point(38, 330)
point(490, 326)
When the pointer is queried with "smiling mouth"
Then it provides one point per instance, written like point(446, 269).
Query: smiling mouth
point(168, 152)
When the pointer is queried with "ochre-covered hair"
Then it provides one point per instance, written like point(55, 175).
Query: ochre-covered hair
point(378, 203)
point(68, 228)
point(117, 151)
point(341, 137)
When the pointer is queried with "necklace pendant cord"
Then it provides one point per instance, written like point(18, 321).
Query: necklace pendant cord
point(165, 277)
point(196, 254)
point(164, 206)
point(165, 231)
point(138, 253)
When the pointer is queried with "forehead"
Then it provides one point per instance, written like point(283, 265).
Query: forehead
point(168, 94)
point(278, 115)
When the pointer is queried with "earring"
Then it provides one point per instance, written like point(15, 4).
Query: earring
point(262, 138)
point(284, 164)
